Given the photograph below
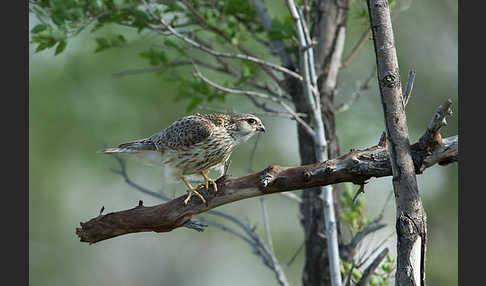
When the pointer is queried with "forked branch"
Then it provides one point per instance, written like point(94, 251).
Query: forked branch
point(357, 167)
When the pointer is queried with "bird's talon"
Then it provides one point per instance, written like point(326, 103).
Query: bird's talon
point(191, 192)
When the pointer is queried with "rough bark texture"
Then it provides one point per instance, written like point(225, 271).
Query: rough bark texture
point(329, 16)
point(411, 218)
point(357, 166)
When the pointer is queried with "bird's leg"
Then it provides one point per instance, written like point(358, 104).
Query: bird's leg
point(207, 180)
point(191, 191)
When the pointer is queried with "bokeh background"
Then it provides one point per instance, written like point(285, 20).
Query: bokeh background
point(76, 106)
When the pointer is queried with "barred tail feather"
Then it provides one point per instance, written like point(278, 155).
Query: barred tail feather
point(116, 150)
point(131, 147)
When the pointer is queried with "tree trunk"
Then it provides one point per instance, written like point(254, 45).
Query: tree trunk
point(330, 16)
point(410, 216)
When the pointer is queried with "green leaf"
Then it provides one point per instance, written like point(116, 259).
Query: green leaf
point(386, 267)
point(102, 44)
point(356, 274)
point(195, 101)
point(60, 47)
point(41, 47)
point(39, 28)
point(389, 258)
point(155, 57)
point(117, 41)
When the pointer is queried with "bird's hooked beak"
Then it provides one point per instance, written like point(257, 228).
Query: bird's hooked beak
point(261, 128)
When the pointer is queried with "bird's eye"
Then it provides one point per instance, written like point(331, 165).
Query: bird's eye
point(251, 121)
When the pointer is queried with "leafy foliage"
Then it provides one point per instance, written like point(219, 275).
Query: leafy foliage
point(197, 91)
point(353, 213)
point(229, 24)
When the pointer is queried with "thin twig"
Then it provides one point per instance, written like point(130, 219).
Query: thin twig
point(357, 93)
point(173, 64)
point(292, 259)
point(356, 48)
point(266, 224)
point(372, 267)
point(408, 91)
point(230, 55)
point(347, 281)
point(359, 191)
point(266, 21)
point(292, 196)
point(364, 258)
point(123, 172)
point(198, 74)
point(266, 112)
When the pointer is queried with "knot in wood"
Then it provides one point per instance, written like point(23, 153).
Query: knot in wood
point(391, 80)
point(406, 226)
point(381, 4)
point(307, 175)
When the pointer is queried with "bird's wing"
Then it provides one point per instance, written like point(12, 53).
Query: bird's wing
point(184, 132)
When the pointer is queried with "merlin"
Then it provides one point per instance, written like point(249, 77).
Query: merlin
point(193, 145)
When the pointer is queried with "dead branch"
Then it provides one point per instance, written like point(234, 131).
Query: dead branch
point(357, 167)
point(372, 267)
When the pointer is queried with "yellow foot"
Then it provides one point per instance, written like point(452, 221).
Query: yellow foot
point(207, 180)
point(190, 193)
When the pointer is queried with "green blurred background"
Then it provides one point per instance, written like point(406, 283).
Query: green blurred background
point(76, 106)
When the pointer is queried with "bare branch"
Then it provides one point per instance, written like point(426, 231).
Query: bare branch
point(408, 90)
point(230, 55)
point(292, 259)
point(259, 248)
point(267, 111)
point(222, 34)
point(357, 93)
point(356, 166)
point(356, 48)
point(281, 278)
point(372, 267)
point(311, 94)
point(347, 281)
point(365, 256)
point(266, 21)
point(429, 139)
point(292, 196)
point(443, 155)
point(198, 74)
point(123, 172)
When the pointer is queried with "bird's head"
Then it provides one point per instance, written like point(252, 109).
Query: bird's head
point(244, 126)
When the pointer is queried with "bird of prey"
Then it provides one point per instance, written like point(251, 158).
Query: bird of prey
point(194, 144)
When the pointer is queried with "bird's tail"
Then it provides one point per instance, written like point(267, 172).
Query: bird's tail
point(131, 147)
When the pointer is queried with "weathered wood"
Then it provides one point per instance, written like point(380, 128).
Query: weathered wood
point(411, 217)
point(357, 166)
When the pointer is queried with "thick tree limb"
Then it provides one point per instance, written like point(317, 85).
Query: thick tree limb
point(411, 219)
point(357, 167)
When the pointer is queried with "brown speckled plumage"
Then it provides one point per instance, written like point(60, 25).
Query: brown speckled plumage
point(194, 144)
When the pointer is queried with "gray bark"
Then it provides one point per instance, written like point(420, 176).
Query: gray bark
point(329, 16)
point(410, 216)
